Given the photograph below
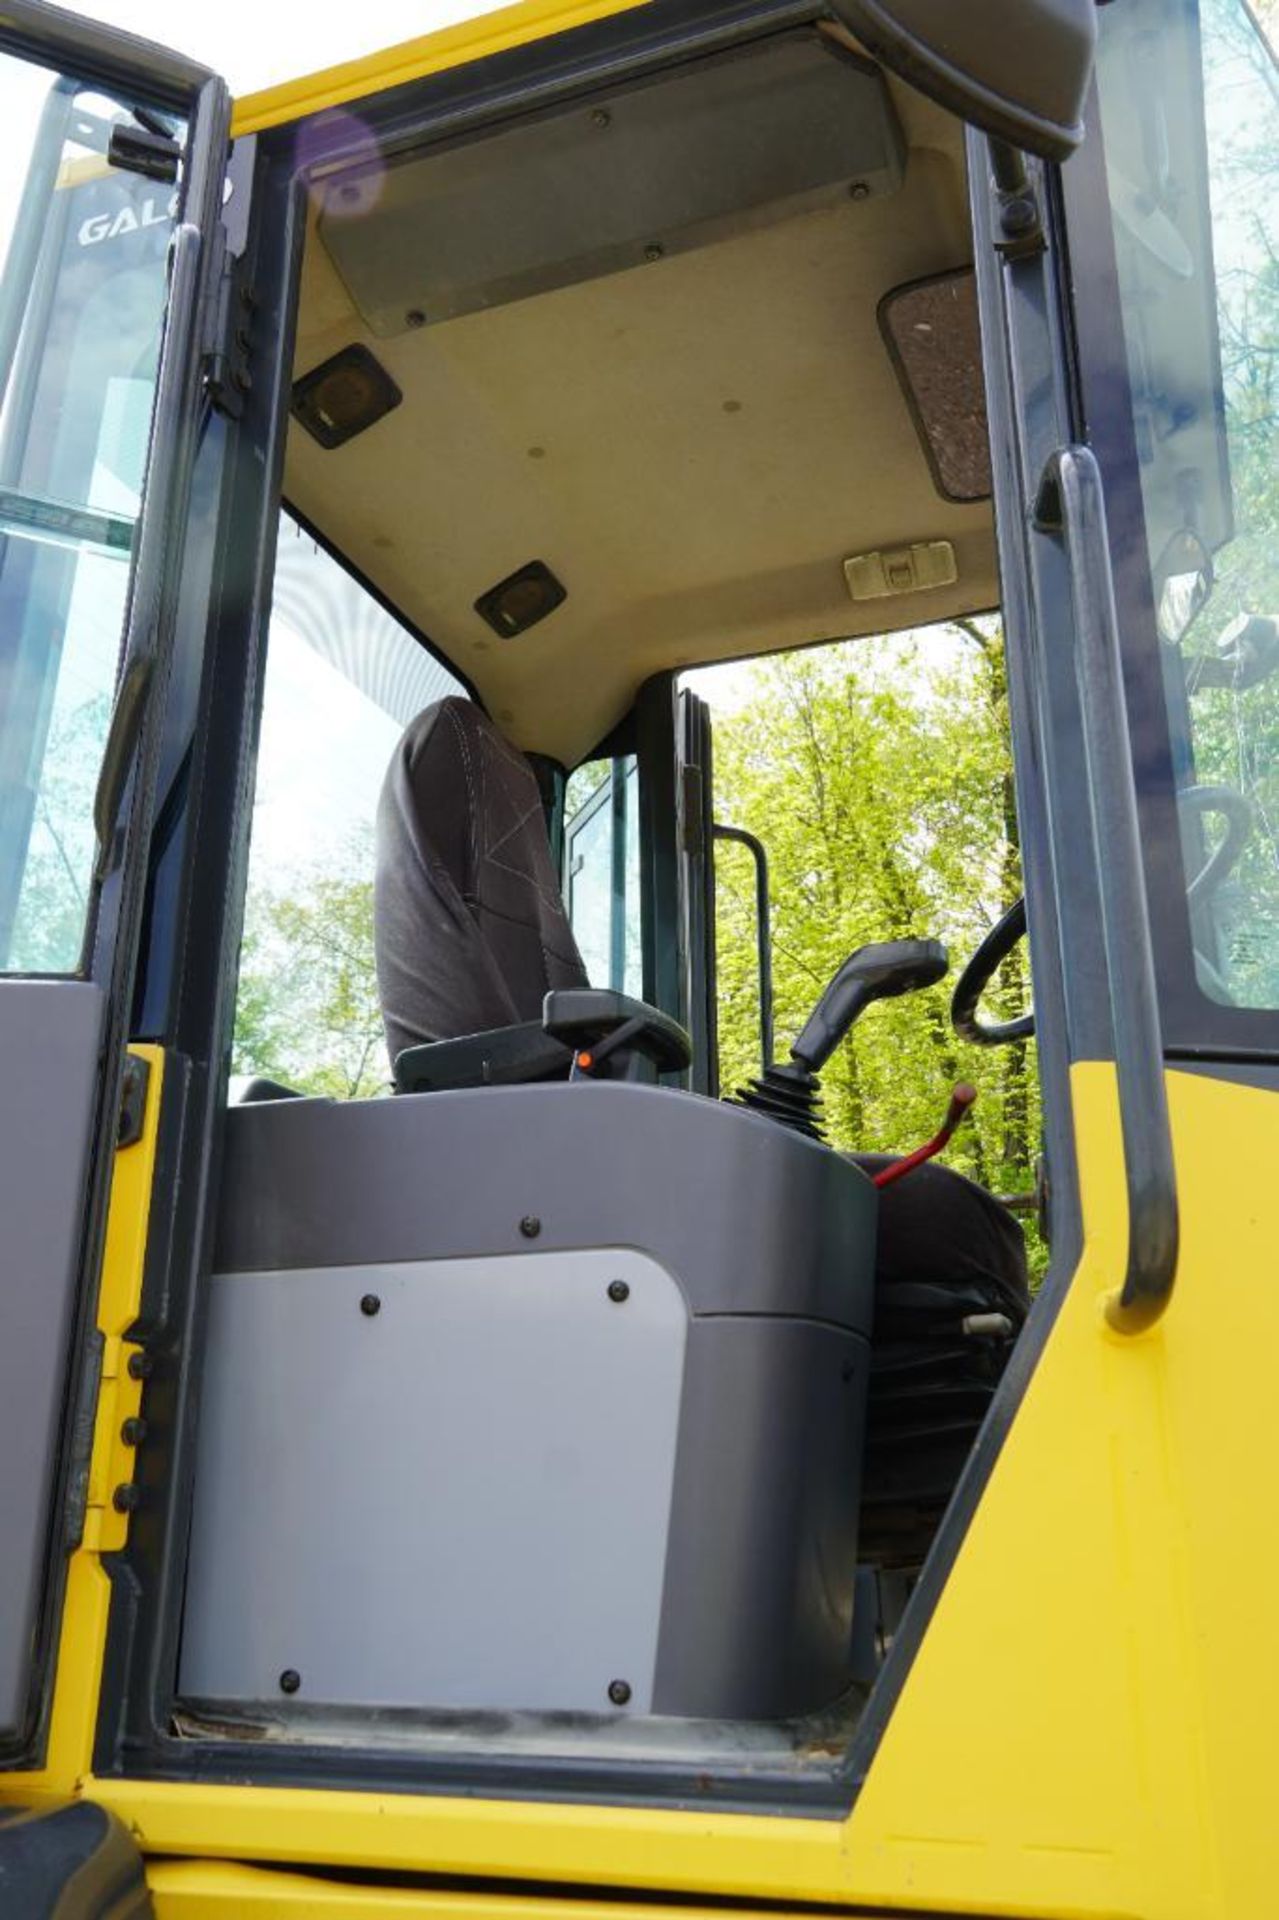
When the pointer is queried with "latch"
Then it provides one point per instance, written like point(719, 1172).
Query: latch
point(227, 370)
point(133, 1100)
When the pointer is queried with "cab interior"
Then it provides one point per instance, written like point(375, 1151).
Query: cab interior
point(675, 370)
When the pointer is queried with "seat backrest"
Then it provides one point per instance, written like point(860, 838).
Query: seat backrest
point(469, 922)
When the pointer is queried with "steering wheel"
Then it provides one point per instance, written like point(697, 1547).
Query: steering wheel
point(1005, 934)
point(1229, 802)
point(977, 976)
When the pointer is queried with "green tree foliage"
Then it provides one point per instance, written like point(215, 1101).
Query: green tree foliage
point(307, 1011)
point(877, 775)
point(53, 903)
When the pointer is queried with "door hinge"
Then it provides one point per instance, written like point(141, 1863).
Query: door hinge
point(228, 363)
point(133, 1100)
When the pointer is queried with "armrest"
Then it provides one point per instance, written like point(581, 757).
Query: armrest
point(582, 1017)
point(504, 1057)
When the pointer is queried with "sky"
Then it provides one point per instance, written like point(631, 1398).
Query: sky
point(258, 43)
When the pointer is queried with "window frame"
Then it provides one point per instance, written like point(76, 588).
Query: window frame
point(1195, 1026)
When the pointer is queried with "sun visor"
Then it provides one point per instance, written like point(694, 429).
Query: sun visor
point(657, 166)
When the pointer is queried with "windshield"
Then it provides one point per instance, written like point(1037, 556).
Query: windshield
point(1189, 97)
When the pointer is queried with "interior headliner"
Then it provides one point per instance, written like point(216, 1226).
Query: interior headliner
point(693, 446)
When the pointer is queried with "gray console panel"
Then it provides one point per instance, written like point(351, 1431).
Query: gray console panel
point(749, 1217)
point(505, 1490)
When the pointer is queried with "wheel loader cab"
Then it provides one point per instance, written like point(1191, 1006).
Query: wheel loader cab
point(552, 1369)
point(529, 694)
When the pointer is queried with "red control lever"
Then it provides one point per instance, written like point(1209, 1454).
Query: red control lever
point(960, 1101)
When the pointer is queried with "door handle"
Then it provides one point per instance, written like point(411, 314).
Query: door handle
point(155, 530)
point(117, 754)
point(1070, 507)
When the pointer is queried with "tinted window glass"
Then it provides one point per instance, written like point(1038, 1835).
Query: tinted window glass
point(81, 310)
point(343, 680)
point(1195, 214)
point(602, 872)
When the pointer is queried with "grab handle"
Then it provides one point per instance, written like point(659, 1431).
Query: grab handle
point(1070, 507)
point(763, 930)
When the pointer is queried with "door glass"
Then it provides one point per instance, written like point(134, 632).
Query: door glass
point(1195, 217)
point(82, 303)
point(343, 680)
point(602, 871)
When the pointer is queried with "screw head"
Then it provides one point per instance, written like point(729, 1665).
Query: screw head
point(133, 1431)
point(530, 1226)
point(126, 1498)
point(415, 317)
point(290, 1680)
point(139, 1366)
point(619, 1692)
point(369, 1305)
point(601, 118)
point(859, 191)
point(654, 250)
point(618, 1291)
point(1018, 216)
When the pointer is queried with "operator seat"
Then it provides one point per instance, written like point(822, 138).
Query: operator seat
point(469, 924)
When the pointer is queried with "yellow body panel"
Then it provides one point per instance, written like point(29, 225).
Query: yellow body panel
point(88, 1594)
point(1086, 1729)
point(214, 1890)
point(413, 59)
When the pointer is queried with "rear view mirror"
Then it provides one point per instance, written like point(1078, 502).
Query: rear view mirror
point(1018, 69)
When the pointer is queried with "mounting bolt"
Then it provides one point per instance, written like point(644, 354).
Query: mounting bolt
point(618, 1291)
point(1018, 216)
point(415, 317)
point(133, 1431)
point(290, 1680)
point(859, 191)
point(530, 1226)
point(140, 1365)
point(654, 250)
point(369, 1305)
point(619, 1692)
point(601, 118)
point(126, 1497)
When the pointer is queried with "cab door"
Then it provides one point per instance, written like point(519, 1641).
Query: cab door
point(110, 201)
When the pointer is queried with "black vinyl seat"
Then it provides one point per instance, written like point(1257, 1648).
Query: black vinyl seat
point(469, 923)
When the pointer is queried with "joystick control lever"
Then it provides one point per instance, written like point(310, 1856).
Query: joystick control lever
point(789, 1093)
point(878, 972)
